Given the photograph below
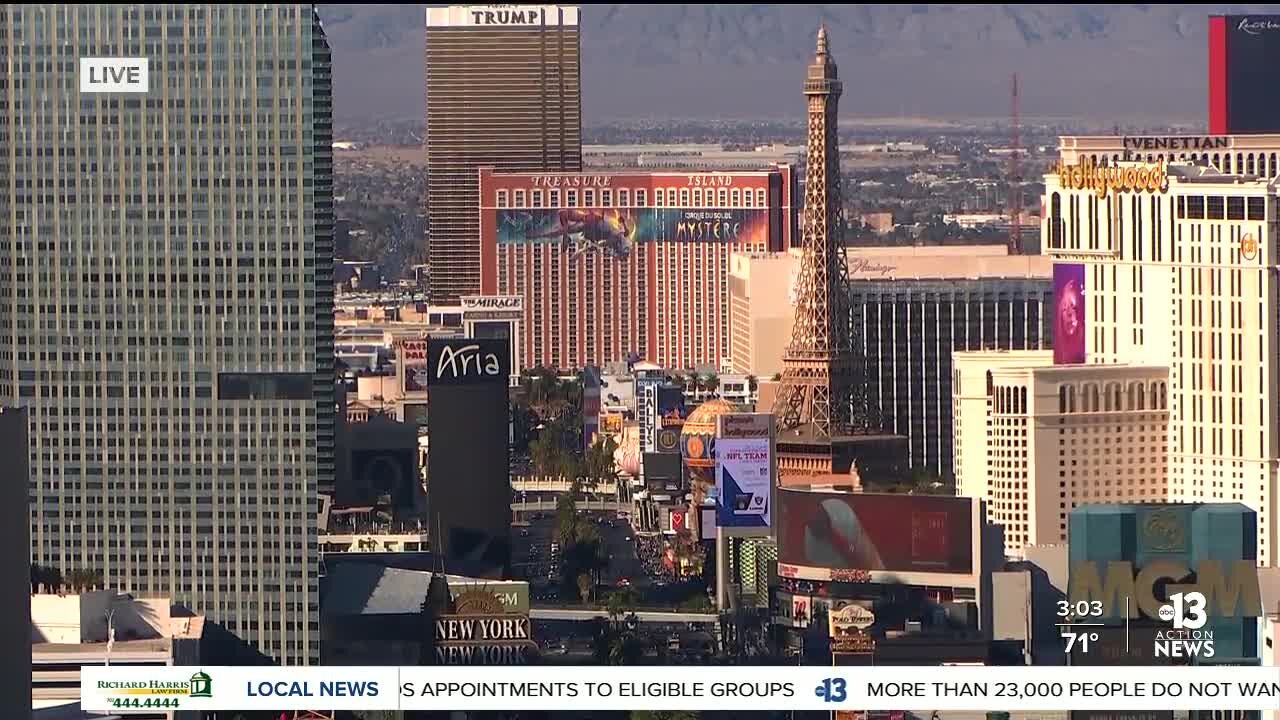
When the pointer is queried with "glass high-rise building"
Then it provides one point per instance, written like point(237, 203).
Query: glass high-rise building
point(910, 327)
point(166, 302)
point(503, 85)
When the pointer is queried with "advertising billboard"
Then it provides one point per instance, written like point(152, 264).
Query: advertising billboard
point(875, 532)
point(677, 520)
point(413, 365)
point(617, 231)
point(801, 609)
point(744, 470)
point(611, 423)
point(670, 416)
point(1068, 314)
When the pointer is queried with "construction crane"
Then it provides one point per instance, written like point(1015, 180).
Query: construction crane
point(1015, 173)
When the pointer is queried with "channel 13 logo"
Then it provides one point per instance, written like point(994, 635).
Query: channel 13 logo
point(1186, 610)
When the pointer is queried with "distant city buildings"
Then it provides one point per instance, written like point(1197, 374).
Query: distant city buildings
point(166, 303)
point(626, 265)
point(503, 87)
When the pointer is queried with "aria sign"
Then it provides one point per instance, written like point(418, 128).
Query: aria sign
point(1088, 175)
point(467, 361)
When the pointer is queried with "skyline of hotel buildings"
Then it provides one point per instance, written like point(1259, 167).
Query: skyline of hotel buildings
point(166, 311)
point(1173, 265)
point(504, 89)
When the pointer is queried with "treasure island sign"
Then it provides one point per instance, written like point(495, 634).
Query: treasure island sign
point(480, 633)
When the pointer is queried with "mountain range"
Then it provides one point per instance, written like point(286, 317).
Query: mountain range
point(1141, 63)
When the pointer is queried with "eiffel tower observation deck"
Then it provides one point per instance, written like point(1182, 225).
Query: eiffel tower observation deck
point(824, 425)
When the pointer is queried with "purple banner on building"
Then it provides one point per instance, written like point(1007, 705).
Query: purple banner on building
point(1068, 314)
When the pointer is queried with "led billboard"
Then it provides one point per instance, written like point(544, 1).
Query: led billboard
point(875, 532)
point(1068, 314)
point(616, 231)
point(744, 470)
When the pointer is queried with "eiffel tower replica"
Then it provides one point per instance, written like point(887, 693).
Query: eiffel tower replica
point(821, 405)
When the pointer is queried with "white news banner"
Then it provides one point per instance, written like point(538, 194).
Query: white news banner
point(122, 690)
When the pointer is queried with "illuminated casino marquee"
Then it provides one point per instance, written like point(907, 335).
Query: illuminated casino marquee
point(1101, 179)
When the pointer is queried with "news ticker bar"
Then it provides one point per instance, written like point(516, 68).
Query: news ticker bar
point(123, 690)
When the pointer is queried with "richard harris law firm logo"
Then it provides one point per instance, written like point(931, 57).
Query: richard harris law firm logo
point(114, 75)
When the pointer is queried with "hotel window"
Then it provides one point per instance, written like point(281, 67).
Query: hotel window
point(1235, 208)
point(746, 198)
point(572, 198)
point(555, 198)
point(760, 200)
point(697, 197)
point(1257, 209)
point(659, 197)
point(502, 198)
point(1217, 208)
point(1195, 207)
point(537, 198)
point(606, 198)
point(520, 199)
point(624, 198)
point(589, 198)
point(642, 198)
point(724, 197)
point(735, 196)
point(684, 197)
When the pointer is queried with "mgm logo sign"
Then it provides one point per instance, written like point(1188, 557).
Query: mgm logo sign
point(1168, 591)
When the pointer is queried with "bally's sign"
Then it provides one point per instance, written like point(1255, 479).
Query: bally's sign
point(1101, 179)
point(468, 361)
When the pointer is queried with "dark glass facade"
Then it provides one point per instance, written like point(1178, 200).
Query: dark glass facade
point(909, 329)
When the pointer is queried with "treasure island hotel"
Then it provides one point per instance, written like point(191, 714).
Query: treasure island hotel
point(166, 308)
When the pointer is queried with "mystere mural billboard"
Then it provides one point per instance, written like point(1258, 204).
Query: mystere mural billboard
point(616, 231)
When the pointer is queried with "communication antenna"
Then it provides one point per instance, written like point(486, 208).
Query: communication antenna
point(1015, 173)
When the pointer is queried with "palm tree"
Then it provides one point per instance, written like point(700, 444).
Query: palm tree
point(585, 586)
point(616, 607)
point(711, 382)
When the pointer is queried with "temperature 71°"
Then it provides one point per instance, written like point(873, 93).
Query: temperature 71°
point(1074, 637)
